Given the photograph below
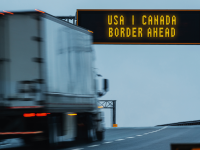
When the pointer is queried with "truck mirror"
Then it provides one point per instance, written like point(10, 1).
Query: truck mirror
point(106, 85)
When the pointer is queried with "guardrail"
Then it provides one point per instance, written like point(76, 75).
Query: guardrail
point(186, 123)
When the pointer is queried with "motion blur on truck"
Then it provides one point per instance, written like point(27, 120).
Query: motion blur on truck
point(48, 83)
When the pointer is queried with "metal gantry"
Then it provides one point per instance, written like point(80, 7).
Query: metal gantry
point(67, 18)
point(111, 104)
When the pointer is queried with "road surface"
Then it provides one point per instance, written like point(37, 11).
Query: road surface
point(140, 138)
point(151, 138)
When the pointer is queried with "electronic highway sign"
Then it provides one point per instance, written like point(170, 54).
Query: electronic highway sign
point(141, 26)
point(185, 146)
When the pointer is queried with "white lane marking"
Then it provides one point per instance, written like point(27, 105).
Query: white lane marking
point(93, 145)
point(78, 149)
point(153, 131)
point(107, 142)
point(130, 137)
point(119, 140)
point(161, 128)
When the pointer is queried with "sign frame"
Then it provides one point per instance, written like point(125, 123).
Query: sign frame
point(140, 43)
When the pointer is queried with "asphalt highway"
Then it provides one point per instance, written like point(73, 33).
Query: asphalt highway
point(137, 138)
point(147, 138)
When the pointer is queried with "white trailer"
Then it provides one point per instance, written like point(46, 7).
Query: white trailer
point(47, 79)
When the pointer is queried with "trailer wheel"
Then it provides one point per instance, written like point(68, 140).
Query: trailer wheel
point(53, 138)
point(90, 135)
point(90, 128)
point(100, 135)
point(27, 141)
point(34, 142)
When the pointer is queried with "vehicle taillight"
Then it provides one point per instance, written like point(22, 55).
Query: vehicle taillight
point(72, 114)
point(41, 114)
point(32, 132)
point(8, 12)
point(91, 31)
point(29, 114)
point(35, 114)
point(39, 11)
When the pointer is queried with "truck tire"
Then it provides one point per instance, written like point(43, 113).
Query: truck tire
point(27, 141)
point(30, 141)
point(90, 135)
point(53, 132)
point(100, 135)
point(90, 128)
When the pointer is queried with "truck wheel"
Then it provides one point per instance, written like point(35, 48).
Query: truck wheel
point(100, 135)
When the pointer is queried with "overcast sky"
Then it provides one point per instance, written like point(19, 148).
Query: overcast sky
point(153, 84)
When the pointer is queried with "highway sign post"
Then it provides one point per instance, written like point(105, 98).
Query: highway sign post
point(111, 104)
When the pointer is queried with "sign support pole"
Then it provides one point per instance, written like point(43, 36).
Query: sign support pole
point(111, 104)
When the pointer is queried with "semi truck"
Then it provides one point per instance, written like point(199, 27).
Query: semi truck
point(48, 83)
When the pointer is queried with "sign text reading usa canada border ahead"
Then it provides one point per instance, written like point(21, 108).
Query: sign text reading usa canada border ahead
point(142, 26)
